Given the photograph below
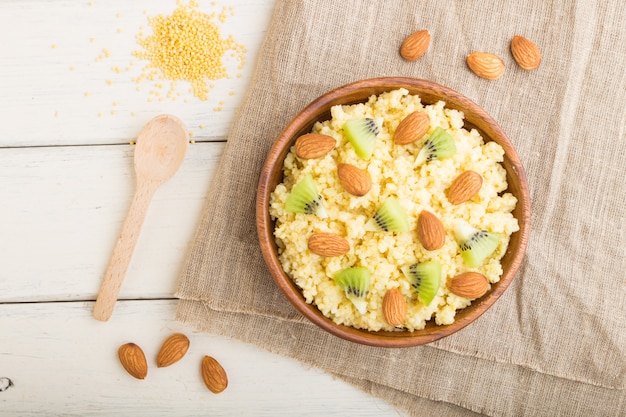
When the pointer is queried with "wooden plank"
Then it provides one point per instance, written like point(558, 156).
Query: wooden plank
point(64, 362)
point(63, 86)
point(62, 209)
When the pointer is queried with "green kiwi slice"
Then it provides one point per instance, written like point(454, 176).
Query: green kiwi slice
point(390, 217)
point(475, 245)
point(356, 283)
point(425, 278)
point(304, 198)
point(362, 133)
point(439, 145)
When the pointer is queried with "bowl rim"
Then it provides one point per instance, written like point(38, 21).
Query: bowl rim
point(301, 124)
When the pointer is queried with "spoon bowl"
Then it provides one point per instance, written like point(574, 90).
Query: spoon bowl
point(160, 150)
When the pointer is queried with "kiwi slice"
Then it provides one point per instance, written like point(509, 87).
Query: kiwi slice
point(304, 198)
point(476, 245)
point(425, 278)
point(439, 145)
point(362, 133)
point(390, 217)
point(356, 283)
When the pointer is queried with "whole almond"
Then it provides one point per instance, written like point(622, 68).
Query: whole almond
point(469, 285)
point(355, 181)
point(412, 127)
point(213, 375)
point(430, 231)
point(415, 45)
point(133, 360)
point(394, 307)
point(172, 350)
point(486, 65)
point(526, 53)
point(464, 187)
point(314, 145)
point(328, 244)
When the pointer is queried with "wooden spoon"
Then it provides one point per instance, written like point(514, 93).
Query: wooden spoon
point(160, 150)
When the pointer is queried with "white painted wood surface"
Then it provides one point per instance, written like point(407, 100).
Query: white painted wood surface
point(63, 362)
point(66, 182)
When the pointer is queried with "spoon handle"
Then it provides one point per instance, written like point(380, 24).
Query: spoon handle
point(123, 251)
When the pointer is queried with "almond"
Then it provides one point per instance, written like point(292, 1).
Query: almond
point(314, 145)
point(415, 45)
point(464, 187)
point(526, 53)
point(328, 244)
point(133, 360)
point(469, 285)
point(213, 375)
point(172, 350)
point(356, 181)
point(430, 231)
point(394, 307)
point(412, 128)
point(486, 65)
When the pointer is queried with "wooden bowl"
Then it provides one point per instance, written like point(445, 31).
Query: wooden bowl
point(360, 91)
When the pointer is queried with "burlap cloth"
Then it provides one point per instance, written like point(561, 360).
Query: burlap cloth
point(555, 343)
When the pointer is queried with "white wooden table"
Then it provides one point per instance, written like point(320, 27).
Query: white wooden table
point(66, 181)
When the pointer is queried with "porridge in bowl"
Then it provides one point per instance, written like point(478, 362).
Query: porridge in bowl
point(391, 196)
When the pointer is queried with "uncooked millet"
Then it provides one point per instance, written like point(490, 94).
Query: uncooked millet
point(187, 46)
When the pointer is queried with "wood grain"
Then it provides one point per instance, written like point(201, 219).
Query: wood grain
point(160, 150)
point(66, 183)
point(60, 88)
point(63, 208)
point(63, 362)
point(123, 250)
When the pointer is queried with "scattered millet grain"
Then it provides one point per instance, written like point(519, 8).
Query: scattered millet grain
point(187, 46)
point(104, 54)
point(223, 15)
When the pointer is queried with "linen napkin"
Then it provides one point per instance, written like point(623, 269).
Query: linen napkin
point(555, 342)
